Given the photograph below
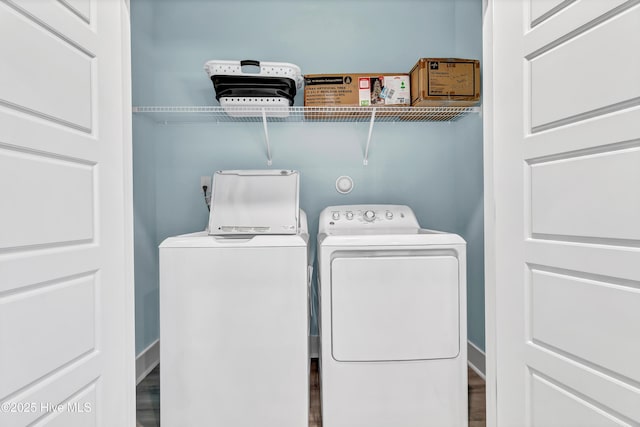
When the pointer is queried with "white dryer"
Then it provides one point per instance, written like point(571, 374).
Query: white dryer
point(234, 309)
point(392, 320)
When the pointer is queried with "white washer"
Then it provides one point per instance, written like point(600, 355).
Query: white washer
point(392, 320)
point(234, 321)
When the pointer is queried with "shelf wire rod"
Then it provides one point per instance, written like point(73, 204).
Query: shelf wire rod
point(266, 136)
point(366, 150)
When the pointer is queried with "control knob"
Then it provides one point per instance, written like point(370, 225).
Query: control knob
point(369, 215)
point(349, 215)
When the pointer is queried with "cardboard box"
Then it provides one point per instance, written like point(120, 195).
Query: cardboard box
point(356, 90)
point(452, 82)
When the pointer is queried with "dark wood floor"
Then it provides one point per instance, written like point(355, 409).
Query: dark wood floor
point(148, 399)
point(477, 400)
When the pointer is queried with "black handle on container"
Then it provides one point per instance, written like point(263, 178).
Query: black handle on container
point(250, 66)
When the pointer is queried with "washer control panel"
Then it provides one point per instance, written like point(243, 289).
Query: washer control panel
point(366, 217)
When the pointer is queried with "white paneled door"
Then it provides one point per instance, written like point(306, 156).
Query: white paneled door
point(565, 135)
point(66, 288)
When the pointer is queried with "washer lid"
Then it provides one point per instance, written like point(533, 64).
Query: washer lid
point(254, 202)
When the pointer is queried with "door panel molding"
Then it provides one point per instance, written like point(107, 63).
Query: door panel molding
point(542, 10)
point(585, 330)
point(596, 384)
point(54, 17)
point(66, 95)
point(80, 8)
point(64, 382)
point(571, 22)
point(598, 259)
point(41, 319)
point(550, 402)
point(582, 76)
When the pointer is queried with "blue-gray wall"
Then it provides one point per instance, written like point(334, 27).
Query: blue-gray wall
point(143, 49)
point(436, 168)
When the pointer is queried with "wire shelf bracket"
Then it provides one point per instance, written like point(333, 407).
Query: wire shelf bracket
point(266, 137)
point(366, 150)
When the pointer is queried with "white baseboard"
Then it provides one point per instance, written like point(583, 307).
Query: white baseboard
point(147, 360)
point(476, 359)
point(314, 346)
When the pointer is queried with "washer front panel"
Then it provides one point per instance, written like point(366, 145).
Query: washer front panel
point(395, 308)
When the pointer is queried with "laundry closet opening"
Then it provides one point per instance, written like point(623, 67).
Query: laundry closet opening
point(434, 167)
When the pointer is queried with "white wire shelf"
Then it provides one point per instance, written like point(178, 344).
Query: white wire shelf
point(265, 115)
point(216, 114)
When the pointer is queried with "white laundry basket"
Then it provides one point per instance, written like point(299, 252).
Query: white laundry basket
point(254, 85)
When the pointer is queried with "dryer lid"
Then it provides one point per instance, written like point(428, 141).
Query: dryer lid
point(254, 202)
